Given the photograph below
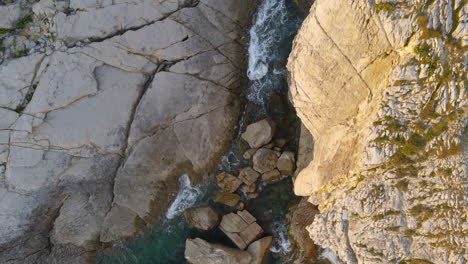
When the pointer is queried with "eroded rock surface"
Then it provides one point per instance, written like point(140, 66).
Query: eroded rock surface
point(381, 86)
point(102, 106)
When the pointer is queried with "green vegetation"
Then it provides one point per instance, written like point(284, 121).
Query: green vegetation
point(402, 185)
point(23, 22)
point(415, 261)
point(424, 52)
point(21, 53)
point(382, 216)
point(387, 7)
point(6, 30)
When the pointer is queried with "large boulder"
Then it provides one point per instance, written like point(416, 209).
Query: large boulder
point(264, 160)
point(229, 199)
point(97, 124)
point(241, 228)
point(203, 218)
point(248, 176)
point(259, 249)
point(228, 182)
point(259, 133)
point(198, 251)
point(286, 163)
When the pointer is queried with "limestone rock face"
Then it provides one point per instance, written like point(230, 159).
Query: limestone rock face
point(198, 251)
point(203, 218)
point(381, 88)
point(228, 182)
point(102, 109)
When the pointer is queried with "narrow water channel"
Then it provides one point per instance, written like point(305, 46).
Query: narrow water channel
point(273, 29)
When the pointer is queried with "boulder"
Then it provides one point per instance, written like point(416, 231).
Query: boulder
point(259, 133)
point(271, 176)
point(249, 153)
point(199, 251)
point(264, 160)
point(228, 182)
point(229, 199)
point(248, 188)
point(203, 218)
point(259, 249)
point(241, 228)
point(286, 163)
point(248, 176)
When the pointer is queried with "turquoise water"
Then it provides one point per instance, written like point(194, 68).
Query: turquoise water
point(274, 27)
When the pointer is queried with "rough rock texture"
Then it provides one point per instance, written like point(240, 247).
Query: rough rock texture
point(198, 251)
point(241, 228)
point(381, 86)
point(228, 182)
point(264, 160)
point(286, 163)
point(203, 218)
point(259, 133)
point(102, 106)
point(259, 249)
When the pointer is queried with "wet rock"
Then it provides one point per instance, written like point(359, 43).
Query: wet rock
point(248, 175)
point(269, 146)
point(280, 142)
point(259, 249)
point(286, 163)
point(264, 160)
point(302, 216)
point(241, 228)
point(248, 188)
point(203, 218)
point(199, 251)
point(271, 176)
point(229, 199)
point(259, 133)
point(249, 153)
point(228, 182)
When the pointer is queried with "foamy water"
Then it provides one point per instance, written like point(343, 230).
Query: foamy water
point(281, 243)
point(271, 34)
point(186, 198)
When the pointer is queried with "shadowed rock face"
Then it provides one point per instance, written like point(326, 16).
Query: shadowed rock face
point(381, 88)
point(95, 130)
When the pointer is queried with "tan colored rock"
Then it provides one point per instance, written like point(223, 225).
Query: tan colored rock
point(248, 218)
point(280, 142)
point(259, 249)
point(249, 153)
point(203, 218)
point(259, 133)
point(271, 176)
point(251, 233)
point(264, 160)
point(361, 84)
point(233, 223)
point(286, 163)
point(241, 228)
point(198, 251)
point(248, 175)
point(248, 188)
point(228, 182)
point(229, 199)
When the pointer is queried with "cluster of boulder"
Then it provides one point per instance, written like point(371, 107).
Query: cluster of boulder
point(268, 161)
point(240, 227)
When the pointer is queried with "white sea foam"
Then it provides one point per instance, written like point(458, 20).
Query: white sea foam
point(186, 198)
point(262, 36)
point(331, 256)
point(281, 243)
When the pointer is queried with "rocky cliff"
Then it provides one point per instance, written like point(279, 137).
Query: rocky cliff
point(381, 86)
point(103, 104)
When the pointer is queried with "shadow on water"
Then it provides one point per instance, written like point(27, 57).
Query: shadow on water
point(274, 27)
